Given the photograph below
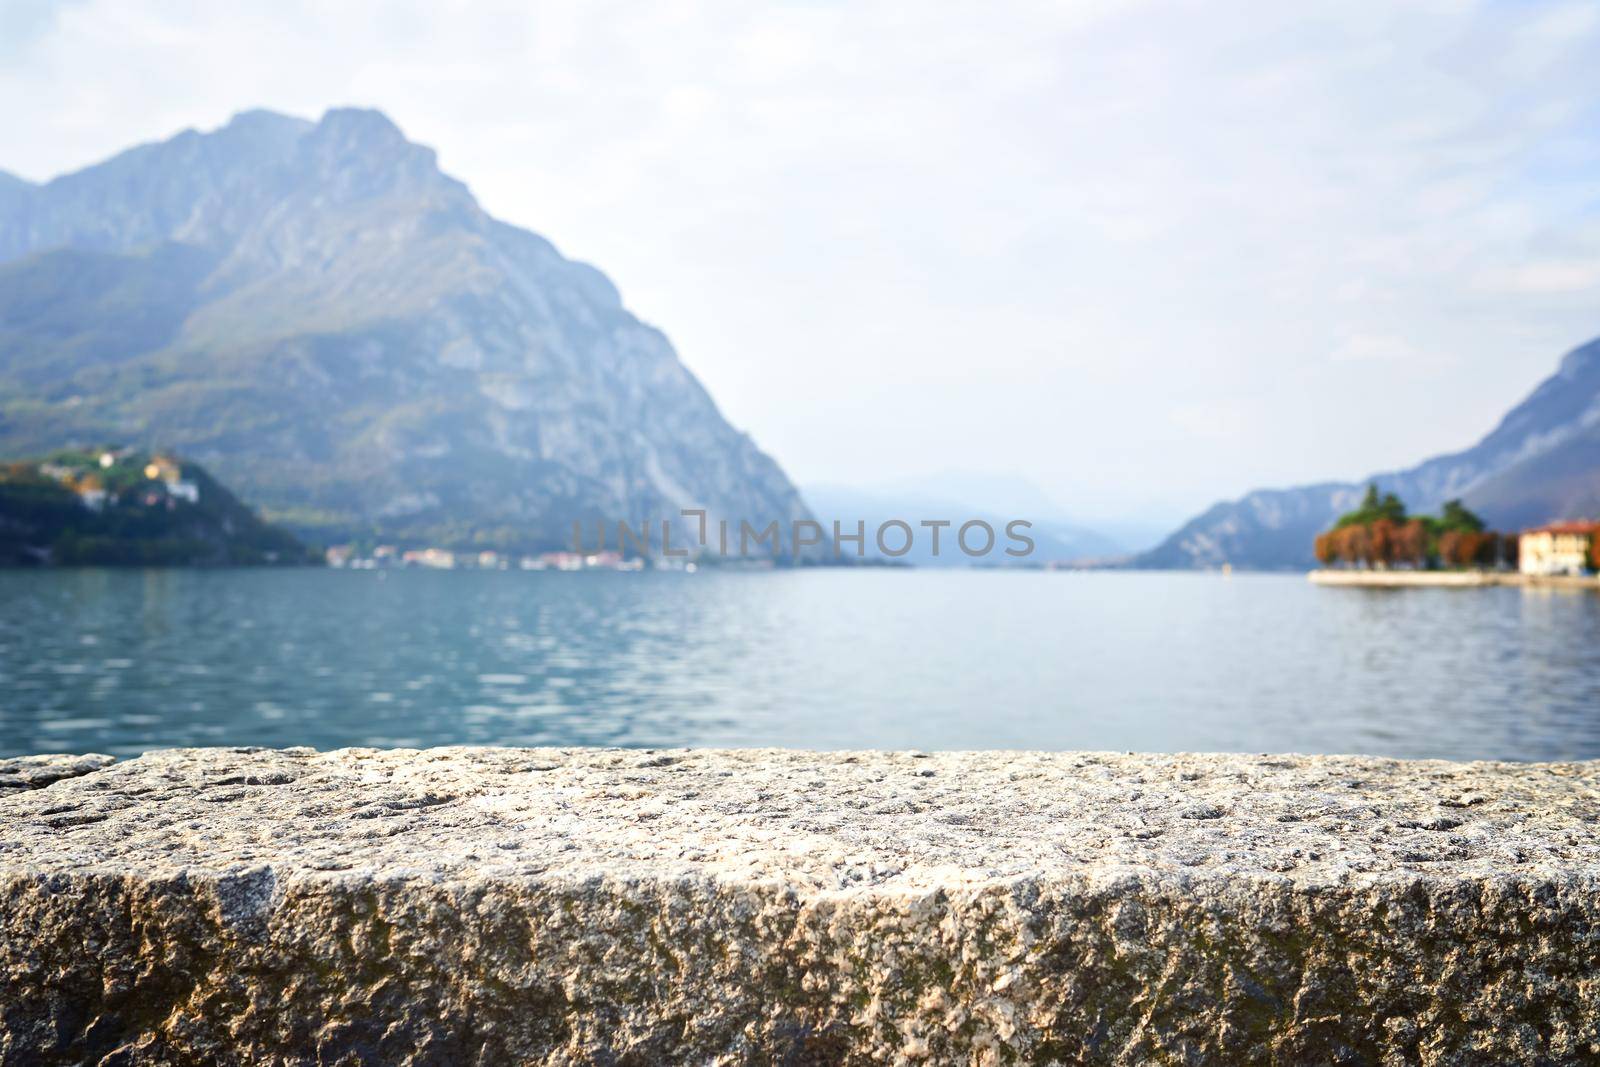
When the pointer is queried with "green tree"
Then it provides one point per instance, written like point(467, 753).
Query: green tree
point(1456, 517)
point(1374, 506)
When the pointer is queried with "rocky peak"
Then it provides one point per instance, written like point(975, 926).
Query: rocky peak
point(1581, 362)
point(209, 188)
point(396, 362)
point(261, 124)
point(358, 153)
point(363, 128)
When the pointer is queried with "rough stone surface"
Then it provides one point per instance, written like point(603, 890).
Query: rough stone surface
point(639, 907)
point(36, 772)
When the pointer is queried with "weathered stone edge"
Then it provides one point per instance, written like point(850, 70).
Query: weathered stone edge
point(21, 773)
point(244, 967)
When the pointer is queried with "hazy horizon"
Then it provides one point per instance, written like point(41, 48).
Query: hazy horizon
point(1144, 258)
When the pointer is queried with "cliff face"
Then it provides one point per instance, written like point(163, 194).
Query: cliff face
point(1542, 462)
point(338, 330)
point(630, 907)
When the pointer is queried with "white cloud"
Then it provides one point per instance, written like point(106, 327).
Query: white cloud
point(1024, 229)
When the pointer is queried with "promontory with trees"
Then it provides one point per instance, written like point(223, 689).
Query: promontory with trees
point(117, 506)
point(1379, 534)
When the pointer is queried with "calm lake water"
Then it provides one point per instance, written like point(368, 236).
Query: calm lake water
point(123, 661)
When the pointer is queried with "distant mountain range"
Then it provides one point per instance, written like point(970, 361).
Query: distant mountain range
point(1541, 463)
point(997, 503)
point(340, 332)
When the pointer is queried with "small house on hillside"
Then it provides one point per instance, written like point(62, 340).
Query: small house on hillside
point(1559, 548)
point(91, 491)
point(168, 470)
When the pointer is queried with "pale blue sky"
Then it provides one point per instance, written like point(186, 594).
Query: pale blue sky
point(1144, 254)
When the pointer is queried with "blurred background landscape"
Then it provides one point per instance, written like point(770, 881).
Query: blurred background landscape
point(404, 290)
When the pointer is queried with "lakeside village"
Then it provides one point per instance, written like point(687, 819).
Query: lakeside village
point(747, 542)
point(349, 556)
point(368, 557)
point(99, 479)
point(1380, 536)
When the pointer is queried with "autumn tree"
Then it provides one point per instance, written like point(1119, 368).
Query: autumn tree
point(1379, 533)
point(1411, 544)
point(1381, 536)
point(1474, 544)
point(1357, 545)
point(1461, 548)
point(1449, 547)
point(1339, 546)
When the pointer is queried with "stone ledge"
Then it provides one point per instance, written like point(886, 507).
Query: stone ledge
point(36, 772)
point(604, 906)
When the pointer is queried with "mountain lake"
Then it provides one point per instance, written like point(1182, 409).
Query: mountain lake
point(120, 661)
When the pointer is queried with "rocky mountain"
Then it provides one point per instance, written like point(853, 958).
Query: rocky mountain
point(338, 330)
point(1542, 462)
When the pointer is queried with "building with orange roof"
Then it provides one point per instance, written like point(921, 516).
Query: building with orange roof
point(91, 491)
point(169, 471)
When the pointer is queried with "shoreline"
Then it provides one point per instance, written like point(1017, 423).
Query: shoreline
point(1450, 579)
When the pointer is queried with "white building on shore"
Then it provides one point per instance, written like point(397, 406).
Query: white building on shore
point(1558, 548)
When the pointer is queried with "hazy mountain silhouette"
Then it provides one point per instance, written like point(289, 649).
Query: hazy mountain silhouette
point(1055, 538)
point(1542, 462)
point(340, 332)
